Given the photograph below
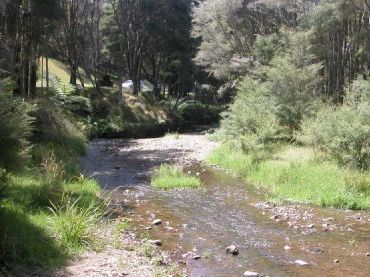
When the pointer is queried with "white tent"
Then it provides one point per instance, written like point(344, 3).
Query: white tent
point(144, 85)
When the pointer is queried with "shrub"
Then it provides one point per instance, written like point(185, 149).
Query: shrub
point(52, 179)
point(194, 113)
point(4, 179)
point(79, 105)
point(343, 133)
point(53, 126)
point(15, 129)
point(251, 122)
point(293, 79)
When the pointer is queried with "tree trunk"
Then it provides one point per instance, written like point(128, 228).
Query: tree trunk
point(47, 74)
point(73, 78)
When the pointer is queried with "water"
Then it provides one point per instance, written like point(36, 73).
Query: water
point(223, 212)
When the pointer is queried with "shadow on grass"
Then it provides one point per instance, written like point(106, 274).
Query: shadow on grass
point(25, 244)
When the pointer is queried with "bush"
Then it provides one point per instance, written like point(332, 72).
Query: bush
point(79, 105)
point(4, 179)
point(293, 79)
point(193, 113)
point(251, 122)
point(16, 127)
point(51, 181)
point(53, 126)
point(341, 132)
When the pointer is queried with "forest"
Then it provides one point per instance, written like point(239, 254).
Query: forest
point(118, 118)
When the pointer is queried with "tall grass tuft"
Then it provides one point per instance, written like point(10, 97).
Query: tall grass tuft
point(72, 225)
point(170, 177)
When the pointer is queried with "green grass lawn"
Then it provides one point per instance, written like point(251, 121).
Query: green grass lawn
point(169, 177)
point(295, 174)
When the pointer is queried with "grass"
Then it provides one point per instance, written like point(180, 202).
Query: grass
point(46, 215)
point(61, 71)
point(295, 174)
point(170, 177)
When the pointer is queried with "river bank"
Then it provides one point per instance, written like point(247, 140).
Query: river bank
point(198, 225)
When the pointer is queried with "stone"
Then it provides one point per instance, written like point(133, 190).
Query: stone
point(301, 263)
point(156, 242)
point(157, 222)
point(310, 226)
point(170, 229)
point(367, 254)
point(232, 250)
point(287, 248)
point(336, 261)
point(197, 257)
point(117, 167)
point(251, 274)
point(147, 228)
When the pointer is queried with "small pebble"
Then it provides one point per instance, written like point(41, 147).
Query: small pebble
point(197, 257)
point(251, 274)
point(367, 254)
point(155, 242)
point(286, 247)
point(232, 250)
point(336, 261)
point(302, 263)
point(157, 222)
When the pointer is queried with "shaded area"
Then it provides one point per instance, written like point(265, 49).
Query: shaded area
point(26, 244)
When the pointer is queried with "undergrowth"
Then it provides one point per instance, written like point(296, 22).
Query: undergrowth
point(48, 211)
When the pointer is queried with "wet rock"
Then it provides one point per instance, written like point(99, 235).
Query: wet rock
point(156, 242)
point(301, 263)
point(232, 250)
point(251, 274)
point(197, 257)
point(157, 222)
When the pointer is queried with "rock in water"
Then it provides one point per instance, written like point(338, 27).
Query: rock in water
point(157, 222)
point(251, 274)
point(155, 242)
point(302, 263)
point(232, 250)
